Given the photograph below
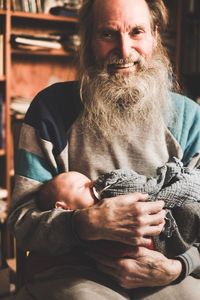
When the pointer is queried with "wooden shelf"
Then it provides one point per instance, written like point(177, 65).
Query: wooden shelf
point(43, 17)
point(2, 12)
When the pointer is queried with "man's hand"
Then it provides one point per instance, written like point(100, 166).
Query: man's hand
point(130, 219)
point(146, 268)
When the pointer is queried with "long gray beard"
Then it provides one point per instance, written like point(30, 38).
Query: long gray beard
point(114, 103)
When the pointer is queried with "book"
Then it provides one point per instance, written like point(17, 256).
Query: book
point(2, 4)
point(1, 55)
point(25, 5)
point(44, 37)
point(16, 5)
point(39, 6)
point(23, 47)
point(19, 40)
point(32, 6)
point(13, 5)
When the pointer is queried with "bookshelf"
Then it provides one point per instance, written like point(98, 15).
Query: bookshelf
point(23, 73)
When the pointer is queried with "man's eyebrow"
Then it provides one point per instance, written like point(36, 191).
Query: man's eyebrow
point(107, 28)
point(139, 26)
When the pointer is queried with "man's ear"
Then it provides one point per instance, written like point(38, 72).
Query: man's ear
point(61, 204)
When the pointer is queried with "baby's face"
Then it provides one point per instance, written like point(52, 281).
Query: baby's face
point(79, 191)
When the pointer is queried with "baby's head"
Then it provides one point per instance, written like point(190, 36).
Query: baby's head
point(74, 191)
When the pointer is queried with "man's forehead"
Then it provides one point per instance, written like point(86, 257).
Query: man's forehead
point(131, 12)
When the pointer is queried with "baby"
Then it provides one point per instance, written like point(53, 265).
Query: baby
point(73, 190)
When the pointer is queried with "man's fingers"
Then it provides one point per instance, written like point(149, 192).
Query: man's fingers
point(154, 230)
point(153, 207)
point(158, 218)
point(147, 231)
point(144, 242)
point(155, 219)
point(146, 208)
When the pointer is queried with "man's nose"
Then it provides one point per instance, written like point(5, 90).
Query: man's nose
point(126, 46)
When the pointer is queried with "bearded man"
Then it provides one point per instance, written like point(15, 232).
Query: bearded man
point(123, 113)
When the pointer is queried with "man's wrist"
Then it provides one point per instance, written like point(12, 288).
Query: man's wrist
point(180, 270)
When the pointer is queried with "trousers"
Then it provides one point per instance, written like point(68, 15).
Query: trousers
point(62, 284)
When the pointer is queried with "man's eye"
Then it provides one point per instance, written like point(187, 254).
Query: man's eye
point(107, 35)
point(136, 32)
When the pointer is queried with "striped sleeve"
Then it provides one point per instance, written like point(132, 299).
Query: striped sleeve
point(43, 136)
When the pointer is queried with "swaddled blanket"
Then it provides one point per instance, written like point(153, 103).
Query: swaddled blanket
point(178, 186)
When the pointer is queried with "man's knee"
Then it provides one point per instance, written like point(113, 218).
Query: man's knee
point(188, 289)
point(70, 289)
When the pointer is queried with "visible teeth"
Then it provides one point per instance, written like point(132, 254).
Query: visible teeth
point(125, 65)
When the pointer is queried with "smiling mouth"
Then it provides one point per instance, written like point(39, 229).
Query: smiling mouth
point(123, 66)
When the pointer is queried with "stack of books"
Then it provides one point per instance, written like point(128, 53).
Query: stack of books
point(68, 41)
point(63, 7)
point(32, 6)
point(36, 42)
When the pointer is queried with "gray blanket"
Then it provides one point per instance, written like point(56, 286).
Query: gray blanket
point(178, 186)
